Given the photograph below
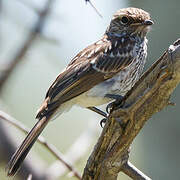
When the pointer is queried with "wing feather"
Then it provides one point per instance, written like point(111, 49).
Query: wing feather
point(84, 72)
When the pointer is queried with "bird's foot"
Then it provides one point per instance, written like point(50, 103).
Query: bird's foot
point(98, 111)
point(109, 107)
point(103, 121)
point(118, 99)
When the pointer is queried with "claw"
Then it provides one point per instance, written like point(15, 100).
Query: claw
point(118, 99)
point(103, 121)
point(109, 107)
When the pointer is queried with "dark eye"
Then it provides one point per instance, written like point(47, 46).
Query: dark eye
point(124, 20)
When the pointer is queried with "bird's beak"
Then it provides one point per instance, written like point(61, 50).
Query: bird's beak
point(148, 22)
point(144, 23)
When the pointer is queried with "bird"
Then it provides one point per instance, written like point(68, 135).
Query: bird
point(106, 69)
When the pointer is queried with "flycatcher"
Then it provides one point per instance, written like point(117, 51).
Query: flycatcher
point(110, 66)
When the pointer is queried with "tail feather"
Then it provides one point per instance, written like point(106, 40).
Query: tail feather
point(18, 157)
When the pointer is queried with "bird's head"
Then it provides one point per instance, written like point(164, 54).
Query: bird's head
point(130, 21)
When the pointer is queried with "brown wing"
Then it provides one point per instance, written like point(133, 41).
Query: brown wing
point(74, 83)
point(68, 85)
point(90, 67)
point(118, 55)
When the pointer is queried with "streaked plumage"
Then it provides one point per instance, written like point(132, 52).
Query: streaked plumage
point(112, 65)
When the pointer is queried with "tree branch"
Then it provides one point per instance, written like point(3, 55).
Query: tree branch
point(7, 148)
point(75, 152)
point(129, 169)
point(7, 143)
point(27, 44)
point(150, 95)
point(52, 149)
point(94, 8)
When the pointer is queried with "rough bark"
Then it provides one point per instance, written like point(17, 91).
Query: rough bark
point(150, 95)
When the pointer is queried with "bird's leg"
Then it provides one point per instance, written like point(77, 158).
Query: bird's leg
point(109, 107)
point(94, 109)
point(98, 111)
point(118, 99)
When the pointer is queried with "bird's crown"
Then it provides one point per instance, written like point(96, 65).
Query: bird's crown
point(134, 15)
point(131, 21)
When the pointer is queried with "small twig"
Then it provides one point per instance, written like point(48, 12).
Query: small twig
point(28, 42)
point(94, 8)
point(85, 140)
point(130, 170)
point(52, 149)
point(8, 145)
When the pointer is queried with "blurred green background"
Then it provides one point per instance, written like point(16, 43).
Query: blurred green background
point(71, 26)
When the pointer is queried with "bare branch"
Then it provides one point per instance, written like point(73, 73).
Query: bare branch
point(150, 95)
point(52, 149)
point(7, 147)
point(129, 169)
point(75, 152)
point(94, 8)
point(28, 42)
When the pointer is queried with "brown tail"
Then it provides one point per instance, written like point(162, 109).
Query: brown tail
point(18, 157)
